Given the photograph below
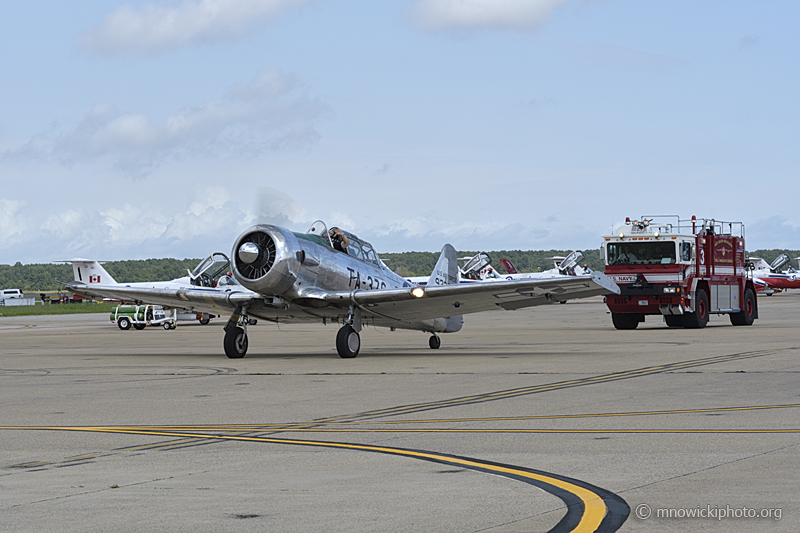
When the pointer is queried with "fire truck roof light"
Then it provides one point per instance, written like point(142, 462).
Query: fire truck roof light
point(621, 235)
point(656, 234)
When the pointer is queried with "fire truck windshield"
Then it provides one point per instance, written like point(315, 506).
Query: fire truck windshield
point(641, 253)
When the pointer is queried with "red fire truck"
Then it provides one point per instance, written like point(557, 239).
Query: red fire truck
point(682, 270)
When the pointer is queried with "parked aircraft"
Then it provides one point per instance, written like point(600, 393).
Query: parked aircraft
point(479, 268)
point(300, 277)
point(209, 275)
point(770, 279)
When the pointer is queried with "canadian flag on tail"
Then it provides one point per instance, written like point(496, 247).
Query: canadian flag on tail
point(94, 279)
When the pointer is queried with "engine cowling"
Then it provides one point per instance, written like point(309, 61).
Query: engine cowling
point(264, 259)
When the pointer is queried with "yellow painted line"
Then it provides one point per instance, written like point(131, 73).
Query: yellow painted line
point(313, 424)
point(594, 506)
point(156, 431)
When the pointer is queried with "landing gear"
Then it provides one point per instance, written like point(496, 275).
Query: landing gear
point(434, 342)
point(235, 342)
point(348, 342)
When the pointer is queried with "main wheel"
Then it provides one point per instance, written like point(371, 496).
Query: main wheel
point(699, 318)
point(747, 315)
point(625, 320)
point(434, 342)
point(235, 343)
point(139, 327)
point(124, 323)
point(674, 321)
point(348, 342)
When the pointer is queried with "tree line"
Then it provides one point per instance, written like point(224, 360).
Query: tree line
point(47, 277)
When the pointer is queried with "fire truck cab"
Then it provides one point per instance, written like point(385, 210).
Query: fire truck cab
point(681, 269)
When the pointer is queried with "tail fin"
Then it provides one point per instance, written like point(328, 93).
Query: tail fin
point(446, 270)
point(90, 272)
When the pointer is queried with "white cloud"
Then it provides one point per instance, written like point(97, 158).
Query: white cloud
point(11, 221)
point(478, 14)
point(155, 29)
point(208, 221)
point(432, 232)
point(271, 112)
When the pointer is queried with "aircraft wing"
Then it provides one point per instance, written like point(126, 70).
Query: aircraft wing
point(209, 300)
point(460, 299)
point(385, 307)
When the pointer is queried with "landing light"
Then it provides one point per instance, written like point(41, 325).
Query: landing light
point(418, 292)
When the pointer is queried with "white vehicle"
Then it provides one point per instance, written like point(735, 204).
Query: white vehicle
point(140, 316)
point(8, 294)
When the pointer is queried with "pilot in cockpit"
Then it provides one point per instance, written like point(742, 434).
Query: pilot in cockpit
point(339, 239)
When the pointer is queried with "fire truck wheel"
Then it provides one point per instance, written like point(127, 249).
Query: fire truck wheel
point(139, 327)
point(748, 313)
point(124, 323)
point(674, 321)
point(625, 320)
point(699, 318)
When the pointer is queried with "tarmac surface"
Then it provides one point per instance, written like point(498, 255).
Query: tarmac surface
point(530, 420)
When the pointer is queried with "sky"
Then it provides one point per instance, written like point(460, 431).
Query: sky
point(166, 128)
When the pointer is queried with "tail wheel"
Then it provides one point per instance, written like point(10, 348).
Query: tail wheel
point(124, 323)
point(348, 342)
point(747, 315)
point(235, 343)
point(434, 342)
point(625, 320)
point(699, 318)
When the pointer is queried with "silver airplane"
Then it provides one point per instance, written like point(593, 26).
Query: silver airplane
point(290, 277)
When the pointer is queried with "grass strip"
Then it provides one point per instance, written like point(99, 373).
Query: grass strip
point(56, 309)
